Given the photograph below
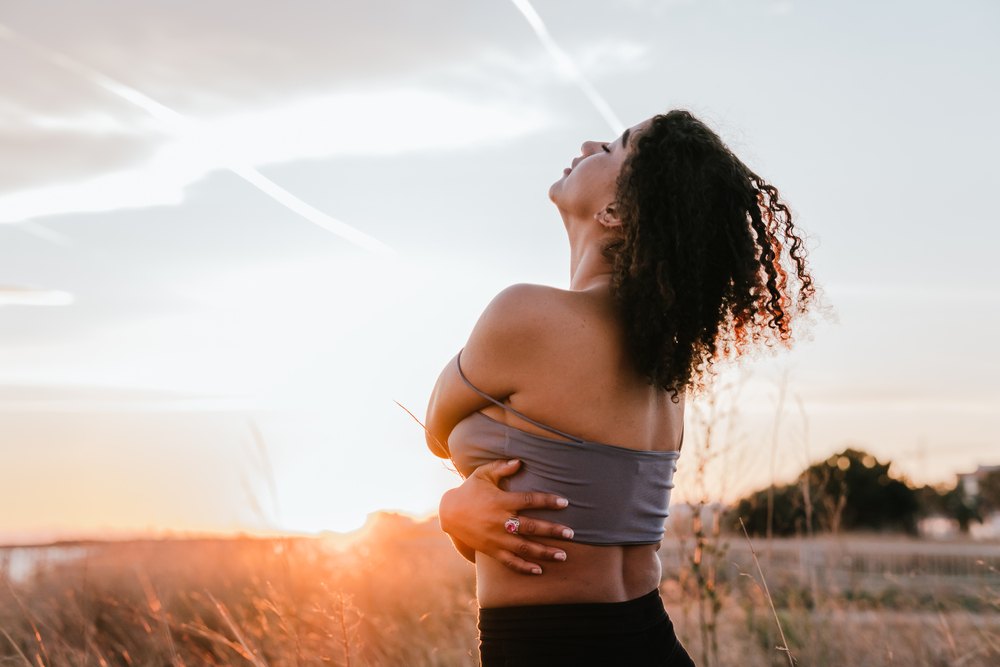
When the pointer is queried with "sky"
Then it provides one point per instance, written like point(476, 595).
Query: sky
point(181, 352)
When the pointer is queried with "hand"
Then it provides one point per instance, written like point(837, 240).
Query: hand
point(475, 512)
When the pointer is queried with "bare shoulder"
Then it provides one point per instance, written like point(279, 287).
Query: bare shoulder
point(529, 314)
point(520, 329)
point(526, 301)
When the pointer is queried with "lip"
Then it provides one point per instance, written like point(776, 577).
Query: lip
point(566, 171)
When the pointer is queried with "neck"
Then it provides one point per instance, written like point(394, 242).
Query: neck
point(588, 267)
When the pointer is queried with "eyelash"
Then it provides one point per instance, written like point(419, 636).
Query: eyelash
point(605, 147)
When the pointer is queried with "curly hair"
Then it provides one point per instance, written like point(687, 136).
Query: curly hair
point(709, 264)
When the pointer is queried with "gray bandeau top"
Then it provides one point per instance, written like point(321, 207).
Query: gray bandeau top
point(617, 496)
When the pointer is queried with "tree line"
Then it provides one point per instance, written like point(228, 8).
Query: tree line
point(852, 490)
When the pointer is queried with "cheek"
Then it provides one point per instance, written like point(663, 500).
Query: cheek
point(588, 187)
point(598, 183)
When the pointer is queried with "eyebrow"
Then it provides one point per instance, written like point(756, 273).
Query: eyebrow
point(625, 137)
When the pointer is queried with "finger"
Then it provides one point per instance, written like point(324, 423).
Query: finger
point(525, 500)
point(526, 549)
point(529, 526)
point(517, 564)
point(497, 469)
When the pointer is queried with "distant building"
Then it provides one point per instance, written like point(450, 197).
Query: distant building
point(989, 529)
point(970, 480)
point(937, 526)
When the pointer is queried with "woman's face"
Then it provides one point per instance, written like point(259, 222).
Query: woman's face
point(588, 184)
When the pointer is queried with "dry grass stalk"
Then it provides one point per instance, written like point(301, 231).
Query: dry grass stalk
point(31, 622)
point(426, 430)
point(247, 652)
point(989, 641)
point(16, 647)
point(767, 593)
point(343, 629)
point(157, 608)
point(409, 599)
point(278, 610)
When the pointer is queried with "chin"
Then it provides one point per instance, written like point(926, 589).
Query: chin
point(554, 190)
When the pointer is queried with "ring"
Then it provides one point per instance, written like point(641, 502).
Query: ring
point(512, 524)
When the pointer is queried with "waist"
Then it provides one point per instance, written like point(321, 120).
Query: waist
point(590, 574)
point(574, 619)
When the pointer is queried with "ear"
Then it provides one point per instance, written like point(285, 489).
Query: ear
point(609, 216)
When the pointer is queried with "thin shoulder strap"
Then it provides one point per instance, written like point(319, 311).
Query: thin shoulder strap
point(458, 361)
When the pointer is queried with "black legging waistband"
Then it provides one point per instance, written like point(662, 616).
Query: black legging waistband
point(571, 620)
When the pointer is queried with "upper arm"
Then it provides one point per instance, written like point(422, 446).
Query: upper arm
point(506, 342)
point(451, 402)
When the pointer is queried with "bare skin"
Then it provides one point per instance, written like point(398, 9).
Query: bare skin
point(559, 357)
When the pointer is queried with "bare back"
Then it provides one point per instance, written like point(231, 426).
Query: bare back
point(586, 385)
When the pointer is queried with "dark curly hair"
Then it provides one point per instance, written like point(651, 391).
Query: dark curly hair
point(709, 264)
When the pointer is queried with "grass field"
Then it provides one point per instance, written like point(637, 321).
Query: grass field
point(399, 595)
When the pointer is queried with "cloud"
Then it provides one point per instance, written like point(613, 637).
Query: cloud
point(215, 61)
point(209, 60)
point(914, 293)
point(366, 123)
point(204, 58)
point(35, 155)
point(16, 295)
point(780, 8)
point(613, 56)
point(380, 122)
point(370, 91)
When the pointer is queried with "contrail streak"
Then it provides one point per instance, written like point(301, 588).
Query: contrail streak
point(567, 65)
point(179, 125)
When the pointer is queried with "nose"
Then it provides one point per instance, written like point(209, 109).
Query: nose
point(590, 147)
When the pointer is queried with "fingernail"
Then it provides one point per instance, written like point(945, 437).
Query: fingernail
point(560, 556)
point(512, 462)
point(537, 570)
point(562, 502)
point(567, 533)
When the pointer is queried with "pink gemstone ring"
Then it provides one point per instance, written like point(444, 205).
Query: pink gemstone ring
point(512, 524)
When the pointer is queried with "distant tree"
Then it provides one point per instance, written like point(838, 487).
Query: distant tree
point(850, 491)
point(989, 493)
point(789, 512)
point(960, 507)
point(952, 503)
point(929, 500)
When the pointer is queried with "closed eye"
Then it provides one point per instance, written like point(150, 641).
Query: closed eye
point(605, 147)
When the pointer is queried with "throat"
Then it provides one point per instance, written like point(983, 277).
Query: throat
point(590, 269)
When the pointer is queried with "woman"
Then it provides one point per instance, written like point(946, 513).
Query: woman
point(680, 255)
